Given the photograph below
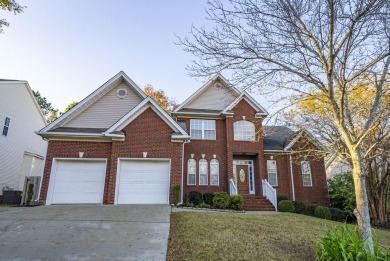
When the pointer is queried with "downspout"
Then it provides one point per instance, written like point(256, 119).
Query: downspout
point(292, 179)
point(182, 171)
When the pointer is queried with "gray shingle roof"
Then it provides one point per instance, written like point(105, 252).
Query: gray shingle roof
point(277, 137)
point(183, 125)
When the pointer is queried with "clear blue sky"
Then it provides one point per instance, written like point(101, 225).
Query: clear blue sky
point(67, 49)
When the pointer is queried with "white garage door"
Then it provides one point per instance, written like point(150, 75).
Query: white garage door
point(77, 182)
point(143, 182)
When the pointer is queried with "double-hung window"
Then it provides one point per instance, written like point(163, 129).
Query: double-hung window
point(203, 172)
point(306, 173)
point(272, 172)
point(191, 172)
point(214, 172)
point(202, 129)
point(6, 126)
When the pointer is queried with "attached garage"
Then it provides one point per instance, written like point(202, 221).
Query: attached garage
point(77, 181)
point(142, 181)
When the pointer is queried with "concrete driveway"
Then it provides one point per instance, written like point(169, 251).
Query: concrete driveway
point(127, 232)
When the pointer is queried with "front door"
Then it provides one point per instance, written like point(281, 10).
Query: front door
point(242, 179)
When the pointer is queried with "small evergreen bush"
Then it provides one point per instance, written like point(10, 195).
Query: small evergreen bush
point(195, 197)
point(345, 244)
point(236, 202)
point(310, 209)
point(208, 198)
point(299, 207)
point(286, 206)
point(281, 197)
point(175, 192)
point(322, 212)
point(221, 200)
point(338, 214)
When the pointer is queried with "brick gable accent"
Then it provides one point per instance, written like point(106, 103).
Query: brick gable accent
point(147, 133)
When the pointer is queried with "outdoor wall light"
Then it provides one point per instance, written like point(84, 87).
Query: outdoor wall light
point(81, 154)
point(203, 155)
point(145, 154)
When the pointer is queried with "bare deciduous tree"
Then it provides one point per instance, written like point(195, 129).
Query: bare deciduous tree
point(303, 46)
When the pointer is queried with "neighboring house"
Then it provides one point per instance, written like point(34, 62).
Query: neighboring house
point(337, 164)
point(117, 146)
point(22, 151)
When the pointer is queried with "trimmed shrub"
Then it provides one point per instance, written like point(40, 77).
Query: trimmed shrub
point(195, 197)
point(203, 205)
point(208, 198)
point(286, 206)
point(338, 214)
point(310, 209)
point(281, 197)
point(236, 202)
point(299, 207)
point(175, 192)
point(221, 200)
point(344, 243)
point(322, 212)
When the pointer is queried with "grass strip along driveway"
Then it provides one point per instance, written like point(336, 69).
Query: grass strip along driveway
point(229, 236)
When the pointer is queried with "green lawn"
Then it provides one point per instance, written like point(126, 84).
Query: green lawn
point(230, 236)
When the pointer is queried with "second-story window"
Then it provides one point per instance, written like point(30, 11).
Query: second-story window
point(203, 129)
point(244, 130)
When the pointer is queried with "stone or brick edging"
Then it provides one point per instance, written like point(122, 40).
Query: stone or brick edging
point(212, 209)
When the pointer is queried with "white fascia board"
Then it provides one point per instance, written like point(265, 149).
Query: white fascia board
point(71, 134)
point(31, 95)
point(311, 138)
point(276, 151)
point(204, 87)
point(141, 107)
point(87, 101)
point(245, 95)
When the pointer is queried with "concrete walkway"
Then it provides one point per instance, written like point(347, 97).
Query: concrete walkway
point(132, 232)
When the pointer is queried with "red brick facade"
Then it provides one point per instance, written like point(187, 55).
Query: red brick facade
point(147, 133)
point(227, 150)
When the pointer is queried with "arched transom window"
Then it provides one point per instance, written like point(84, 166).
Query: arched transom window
point(244, 130)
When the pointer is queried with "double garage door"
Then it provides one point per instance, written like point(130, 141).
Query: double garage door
point(79, 181)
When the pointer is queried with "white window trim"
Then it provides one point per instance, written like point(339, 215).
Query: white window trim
point(188, 172)
point(311, 180)
point(214, 162)
point(207, 172)
point(276, 173)
point(203, 129)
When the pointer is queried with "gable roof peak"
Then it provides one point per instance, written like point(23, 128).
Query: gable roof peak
point(93, 97)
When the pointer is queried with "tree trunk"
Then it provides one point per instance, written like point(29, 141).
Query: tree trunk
point(361, 211)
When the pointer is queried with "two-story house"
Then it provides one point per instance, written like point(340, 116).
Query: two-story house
point(117, 146)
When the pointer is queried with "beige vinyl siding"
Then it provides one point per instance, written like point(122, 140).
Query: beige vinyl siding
point(213, 98)
point(107, 110)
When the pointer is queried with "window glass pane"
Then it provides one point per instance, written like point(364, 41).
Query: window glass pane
point(209, 135)
point(214, 172)
point(244, 130)
point(191, 172)
point(306, 173)
point(196, 134)
point(272, 173)
point(203, 173)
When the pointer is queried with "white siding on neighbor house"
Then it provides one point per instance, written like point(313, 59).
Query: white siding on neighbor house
point(107, 110)
point(16, 103)
point(213, 98)
point(337, 166)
